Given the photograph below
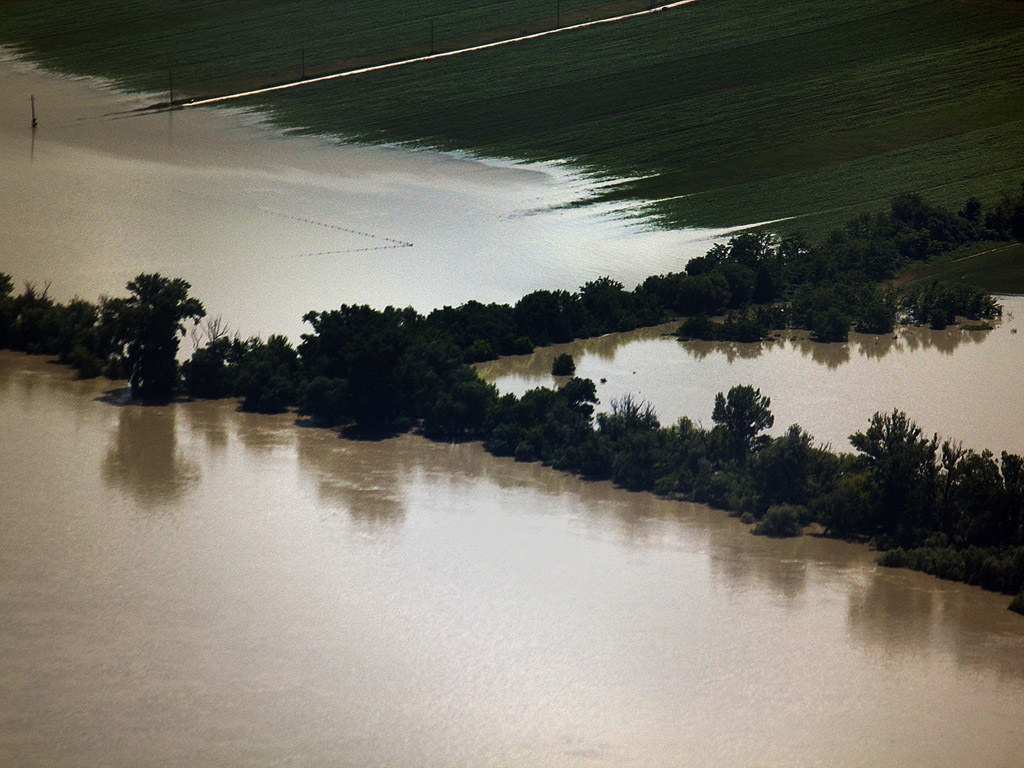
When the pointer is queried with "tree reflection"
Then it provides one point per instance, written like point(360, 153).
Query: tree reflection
point(209, 418)
point(144, 459)
point(730, 350)
point(905, 612)
point(362, 478)
point(833, 355)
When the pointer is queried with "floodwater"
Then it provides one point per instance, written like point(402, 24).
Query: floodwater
point(964, 385)
point(194, 586)
point(268, 227)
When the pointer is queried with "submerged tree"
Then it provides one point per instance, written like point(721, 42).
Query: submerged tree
point(147, 327)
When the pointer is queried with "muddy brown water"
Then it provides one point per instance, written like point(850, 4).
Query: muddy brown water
point(964, 385)
point(192, 586)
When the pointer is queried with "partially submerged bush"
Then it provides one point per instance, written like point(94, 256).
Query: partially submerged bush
point(563, 365)
point(781, 521)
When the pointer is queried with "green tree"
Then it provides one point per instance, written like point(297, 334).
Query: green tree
point(147, 327)
point(903, 470)
point(742, 415)
point(563, 365)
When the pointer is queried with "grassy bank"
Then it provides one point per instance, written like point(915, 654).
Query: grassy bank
point(723, 112)
point(997, 270)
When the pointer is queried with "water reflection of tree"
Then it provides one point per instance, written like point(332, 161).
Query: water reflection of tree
point(943, 341)
point(780, 564)
point(144, 459)
point(209, 418)
point(362, 478)
point(730, 350)
point(876, 347)
point(262, 434)
point(830, 355)
point(905, 612)
point(834, 355)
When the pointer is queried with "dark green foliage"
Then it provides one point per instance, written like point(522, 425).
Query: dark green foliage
point(563, 365)
point(147, 326)
point(992, 568)
point(742, 415)
point(267, 376)
point(89, 366)
point(326, 400)
point(902, 468)
point(762, 284)
point(387, 370)
point(580, 394)
point(791, 470)
point(743, 327)
point(781, 521)
point(460, 412)
point(212, 371)
point(939, 304)
point(1017, 604)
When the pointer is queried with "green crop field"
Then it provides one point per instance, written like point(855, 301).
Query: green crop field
point(998, 270)
point(723, 112)
point(211, 45)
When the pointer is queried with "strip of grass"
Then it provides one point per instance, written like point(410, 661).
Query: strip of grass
point(723, 112)
point(997, 271)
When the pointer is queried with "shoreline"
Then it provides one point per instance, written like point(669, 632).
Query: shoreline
point(113, 398)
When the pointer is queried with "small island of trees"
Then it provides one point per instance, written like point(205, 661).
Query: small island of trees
point(929, 505)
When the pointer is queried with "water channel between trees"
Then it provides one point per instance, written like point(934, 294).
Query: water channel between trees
point(964, 385)
point(189, 585)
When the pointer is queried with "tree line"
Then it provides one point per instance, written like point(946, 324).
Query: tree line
point(936, 507)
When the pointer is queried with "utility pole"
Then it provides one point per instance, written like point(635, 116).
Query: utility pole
point(35, 122)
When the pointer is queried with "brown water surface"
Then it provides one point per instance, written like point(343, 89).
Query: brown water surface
point(965, 385)
point(194, 586)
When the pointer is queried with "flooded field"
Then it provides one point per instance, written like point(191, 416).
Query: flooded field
point(267, 228)
point(962, 384)
point(192, 586)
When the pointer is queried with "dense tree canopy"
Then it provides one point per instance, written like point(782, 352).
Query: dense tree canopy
point(147, 327)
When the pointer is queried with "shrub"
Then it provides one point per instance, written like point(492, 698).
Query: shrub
point(893, 558)
point(1017, 604)
point(781, 521)
point(88, 364)
point(563, 365)
point(479, 351)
